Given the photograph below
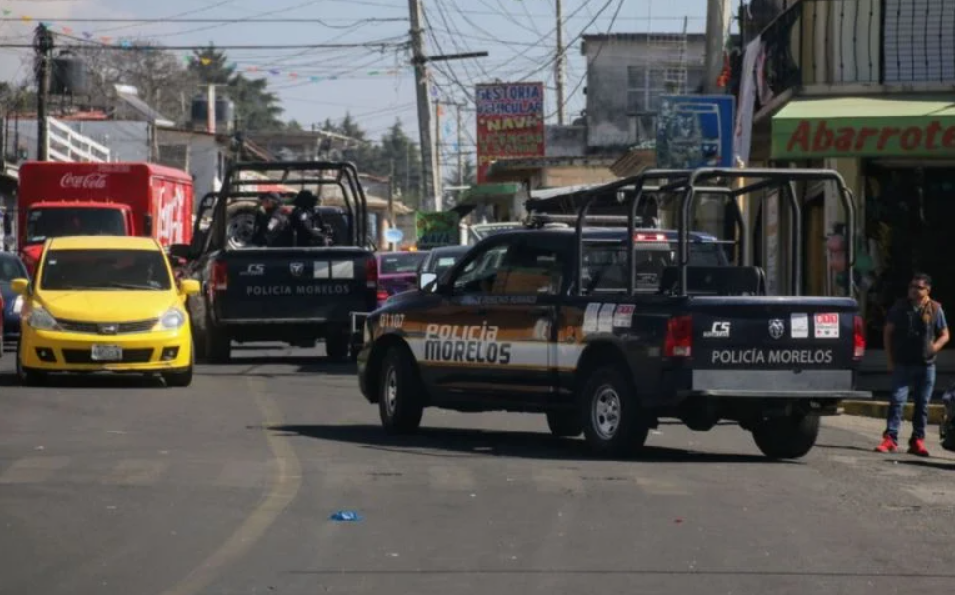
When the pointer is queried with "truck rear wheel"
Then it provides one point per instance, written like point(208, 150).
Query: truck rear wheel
point(336, 347)
point(565, 424)
point(218, 346)
point(613, 422)
point(789, 437)
point(400, 404)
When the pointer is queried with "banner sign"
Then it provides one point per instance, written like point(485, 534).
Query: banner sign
point(695, 131)
point(510, 123)
point(437, 229)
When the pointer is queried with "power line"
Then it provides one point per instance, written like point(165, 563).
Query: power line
point(146, 21)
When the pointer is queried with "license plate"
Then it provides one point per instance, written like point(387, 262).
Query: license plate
point(107, 353)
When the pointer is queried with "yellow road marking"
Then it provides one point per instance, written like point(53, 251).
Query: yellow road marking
point(285, 485)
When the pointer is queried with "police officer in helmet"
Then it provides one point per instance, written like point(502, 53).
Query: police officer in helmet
point(270, 222)
point(307, 225)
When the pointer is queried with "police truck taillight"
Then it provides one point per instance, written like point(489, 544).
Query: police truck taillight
point(650, 237)
point(858, 335)
point(679, 339)
point(371, 273)
point(220, 276)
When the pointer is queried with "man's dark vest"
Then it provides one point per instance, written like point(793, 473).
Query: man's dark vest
point(915, 333)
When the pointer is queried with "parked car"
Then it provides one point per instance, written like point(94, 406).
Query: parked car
point(11, 267)
point(397, 272)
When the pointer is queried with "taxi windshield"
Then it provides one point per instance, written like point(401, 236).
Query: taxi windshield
point(105, 270)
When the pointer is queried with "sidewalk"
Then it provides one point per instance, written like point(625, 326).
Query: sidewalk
point(872, 429)
point(880, 409)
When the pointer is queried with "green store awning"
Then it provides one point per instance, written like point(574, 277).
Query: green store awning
point(902, 126)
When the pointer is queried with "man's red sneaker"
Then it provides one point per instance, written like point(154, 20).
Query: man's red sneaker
point(888, 445)
point(917, 447)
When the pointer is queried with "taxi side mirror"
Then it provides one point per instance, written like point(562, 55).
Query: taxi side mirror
point(189, 287)
point(20, 286)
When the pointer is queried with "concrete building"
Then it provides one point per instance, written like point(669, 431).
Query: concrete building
point(627, 73)
point(864, 87)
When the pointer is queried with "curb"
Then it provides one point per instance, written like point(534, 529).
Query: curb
point(880, 409)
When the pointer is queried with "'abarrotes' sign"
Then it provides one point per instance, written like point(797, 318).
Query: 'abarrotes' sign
point(465, 344)
point(756, 357)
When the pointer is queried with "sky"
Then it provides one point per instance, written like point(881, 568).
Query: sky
point(372, 80)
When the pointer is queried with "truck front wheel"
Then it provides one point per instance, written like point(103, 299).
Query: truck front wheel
point(336, 347)
point(400, 403)
point(790, 437)
point(614, 424)
point(218, 346)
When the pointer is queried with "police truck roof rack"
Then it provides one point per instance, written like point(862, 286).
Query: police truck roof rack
point(539, 220)
point(632, 190)
point(295, 173)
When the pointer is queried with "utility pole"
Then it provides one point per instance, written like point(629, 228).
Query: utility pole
point(559, 63)
point(460, 145)
point(431, 183)
point(428, 179)
point(438, 191)
point(43, 46)
point(718, 15)
point(391, 200)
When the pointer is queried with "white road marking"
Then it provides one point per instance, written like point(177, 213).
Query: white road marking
point(137, 472)
point(33, 469)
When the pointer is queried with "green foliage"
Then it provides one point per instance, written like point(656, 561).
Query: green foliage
point(256, 107)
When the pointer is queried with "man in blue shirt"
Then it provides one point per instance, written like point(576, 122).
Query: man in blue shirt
point(915, 331)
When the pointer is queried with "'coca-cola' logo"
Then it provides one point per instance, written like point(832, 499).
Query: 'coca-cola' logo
point(93, 181)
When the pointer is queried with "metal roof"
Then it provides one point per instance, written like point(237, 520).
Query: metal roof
point(130, 95)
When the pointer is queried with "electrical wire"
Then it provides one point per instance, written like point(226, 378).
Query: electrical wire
point(583, 78)
point(146, 21)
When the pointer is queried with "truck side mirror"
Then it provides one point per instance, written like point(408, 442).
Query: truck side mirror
point(148, 225)
point(426, 279)
point(181, 251)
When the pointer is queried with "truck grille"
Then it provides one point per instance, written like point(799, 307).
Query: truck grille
point(85, 356)
point(101, 328)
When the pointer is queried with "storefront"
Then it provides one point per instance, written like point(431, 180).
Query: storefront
point(897, 154)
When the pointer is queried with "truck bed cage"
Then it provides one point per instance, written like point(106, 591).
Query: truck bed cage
point(688, 185)
point(344, 175)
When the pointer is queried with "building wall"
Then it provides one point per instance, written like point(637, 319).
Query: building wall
point(127, 141)
point(628, 73)
point(565, 141)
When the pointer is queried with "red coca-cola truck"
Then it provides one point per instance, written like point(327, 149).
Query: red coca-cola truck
point(123, 199)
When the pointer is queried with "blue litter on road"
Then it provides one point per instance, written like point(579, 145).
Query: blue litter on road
point(345, 515)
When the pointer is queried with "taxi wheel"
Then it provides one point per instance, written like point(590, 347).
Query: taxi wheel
point(610, 410)
point(564, 424)
point(789, 437)
point(399, 394)
point(26, 376)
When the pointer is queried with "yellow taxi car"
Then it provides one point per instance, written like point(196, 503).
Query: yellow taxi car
point(105, 304)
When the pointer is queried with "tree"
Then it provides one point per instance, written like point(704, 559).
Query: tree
point(256, 107)
point(158, 75)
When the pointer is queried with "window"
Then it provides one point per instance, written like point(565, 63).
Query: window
point(605, 264)
point(405, 263)
point(74, 221)
point(480, 274)
point(103, 270)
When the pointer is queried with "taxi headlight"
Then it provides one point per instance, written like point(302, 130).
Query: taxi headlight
point(41, 320)
point(172, 319)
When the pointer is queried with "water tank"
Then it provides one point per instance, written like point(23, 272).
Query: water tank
point(225, 112)
point(69, 76)
point(200, 111)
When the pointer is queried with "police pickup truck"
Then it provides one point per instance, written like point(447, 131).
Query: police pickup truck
point(565, 322)
point(294, 295)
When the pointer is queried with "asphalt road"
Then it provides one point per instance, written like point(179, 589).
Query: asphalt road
point(120, 486)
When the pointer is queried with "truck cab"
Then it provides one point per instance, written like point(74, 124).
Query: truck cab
point(46, 220)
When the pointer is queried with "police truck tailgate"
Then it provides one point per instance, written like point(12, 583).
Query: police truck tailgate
point(766, 345)
point(293, 284)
